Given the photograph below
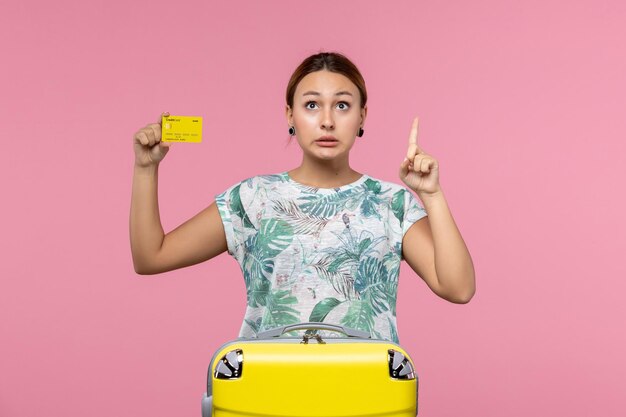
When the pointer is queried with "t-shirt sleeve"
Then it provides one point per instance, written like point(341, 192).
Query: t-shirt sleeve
point(234, 219)
point(413, 211)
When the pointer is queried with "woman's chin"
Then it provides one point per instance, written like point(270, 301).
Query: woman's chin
point(326, 154)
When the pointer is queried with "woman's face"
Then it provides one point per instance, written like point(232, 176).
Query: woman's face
point(326, 104)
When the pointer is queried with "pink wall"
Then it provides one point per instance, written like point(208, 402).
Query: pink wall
point(522, 103)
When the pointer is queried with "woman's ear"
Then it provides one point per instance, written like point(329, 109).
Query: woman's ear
point(288, 114)
point(363, 114)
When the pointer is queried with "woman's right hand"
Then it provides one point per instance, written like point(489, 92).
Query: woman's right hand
point(149, 150)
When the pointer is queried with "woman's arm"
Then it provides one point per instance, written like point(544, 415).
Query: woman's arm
point(435, 250)
point(200, 238)
point(433, 246)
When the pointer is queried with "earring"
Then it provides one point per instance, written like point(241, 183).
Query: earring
point(292, 131)
point(361, 131)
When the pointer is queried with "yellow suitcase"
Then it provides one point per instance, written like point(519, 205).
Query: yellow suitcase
point(310, 375)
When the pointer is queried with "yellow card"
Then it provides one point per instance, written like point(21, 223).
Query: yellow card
point(181, 129)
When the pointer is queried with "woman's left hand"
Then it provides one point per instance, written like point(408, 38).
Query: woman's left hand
point(419, 171)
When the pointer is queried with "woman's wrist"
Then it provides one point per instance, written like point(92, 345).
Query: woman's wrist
point(423, 195)
point(146, 169)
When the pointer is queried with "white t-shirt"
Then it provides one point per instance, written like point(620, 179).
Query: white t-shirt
point(328, 255)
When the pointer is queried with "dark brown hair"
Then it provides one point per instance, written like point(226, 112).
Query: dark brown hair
point(330, 61)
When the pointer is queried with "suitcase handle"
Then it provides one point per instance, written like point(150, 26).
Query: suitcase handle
point(350, 332)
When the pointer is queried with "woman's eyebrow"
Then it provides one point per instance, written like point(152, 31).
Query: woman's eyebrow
point(315, 93)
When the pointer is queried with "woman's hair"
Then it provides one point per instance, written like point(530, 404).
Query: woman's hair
point(330, 61)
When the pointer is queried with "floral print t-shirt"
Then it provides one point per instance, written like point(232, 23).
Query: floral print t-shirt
point(311, 254)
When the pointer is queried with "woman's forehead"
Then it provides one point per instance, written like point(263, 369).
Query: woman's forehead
point(326, 83)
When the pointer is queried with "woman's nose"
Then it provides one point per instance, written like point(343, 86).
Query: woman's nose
point(327, 119)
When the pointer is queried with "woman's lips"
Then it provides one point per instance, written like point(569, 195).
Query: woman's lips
point(326, 142)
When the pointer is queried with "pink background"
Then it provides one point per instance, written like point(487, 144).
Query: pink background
point(522, 103)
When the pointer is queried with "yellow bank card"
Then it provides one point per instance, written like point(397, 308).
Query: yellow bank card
point(181, 129)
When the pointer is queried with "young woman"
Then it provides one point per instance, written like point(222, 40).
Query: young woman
point(321, 242)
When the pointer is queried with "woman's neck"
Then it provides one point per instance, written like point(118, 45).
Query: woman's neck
point(324, 174)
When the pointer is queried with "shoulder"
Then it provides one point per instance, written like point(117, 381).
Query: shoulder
point(245, 199)
point(265, 183)
point(252, 184)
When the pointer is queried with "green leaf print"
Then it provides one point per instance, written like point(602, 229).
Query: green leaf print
point(262, 248)
point(278, 313)
point(321, 309)
point(373, 185)
point(371, 271)
point(398, 248)
point(325, 205)
point(359, 316)
point(274, 237)
point(390, 289)
point(370, 205)
point(341, 261)
point(368, 208)
point(394, 331)
point(257, 289)
point(301, 222)
point(254, 325)
point(366, 196)
point(270, 179)
point(339, 264)
point(364, 244)
point(353, 248)
point(370, 281)
point(397, 205)
point(237, 207)
point(341, 280)
point(391, 260)
point(373, 199)
point(256, 268)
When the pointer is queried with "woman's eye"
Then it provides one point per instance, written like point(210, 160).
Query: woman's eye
point(344, 105)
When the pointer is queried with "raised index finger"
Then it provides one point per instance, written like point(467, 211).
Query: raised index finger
point(414, 130)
